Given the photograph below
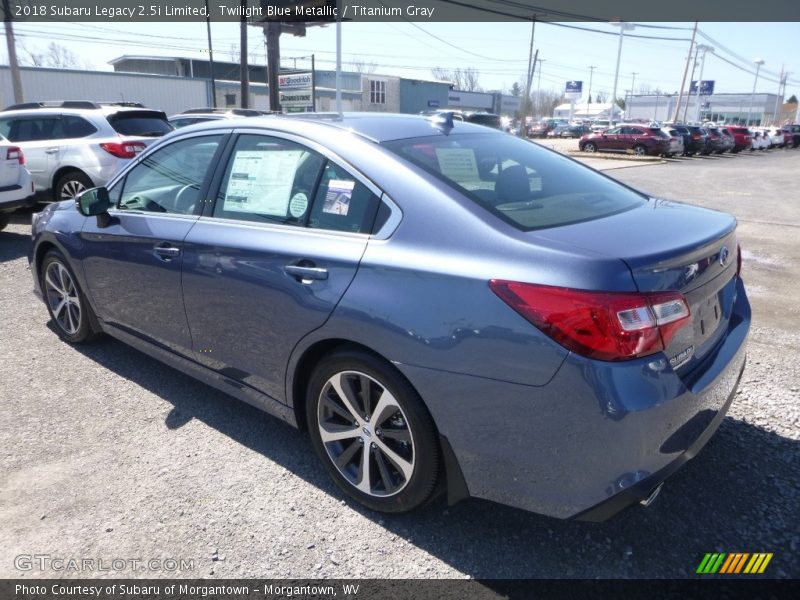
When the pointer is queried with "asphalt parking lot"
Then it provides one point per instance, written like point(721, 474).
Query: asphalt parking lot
point(106, 453)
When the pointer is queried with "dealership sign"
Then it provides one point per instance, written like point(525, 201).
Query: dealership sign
point(706, 87)
point(296, 91)
point(295, 80)
point(573, 90)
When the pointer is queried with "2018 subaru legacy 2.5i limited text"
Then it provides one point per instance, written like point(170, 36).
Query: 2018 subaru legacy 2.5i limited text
point(441, 305)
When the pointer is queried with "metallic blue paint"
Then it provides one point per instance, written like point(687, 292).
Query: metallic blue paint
point(529, 423)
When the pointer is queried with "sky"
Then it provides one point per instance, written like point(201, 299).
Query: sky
point(499, 51)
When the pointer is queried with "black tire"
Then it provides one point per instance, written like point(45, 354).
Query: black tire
point(589, 147)
point(403, 467)
point(73, 321)
point(70, 185)
point(5, 219)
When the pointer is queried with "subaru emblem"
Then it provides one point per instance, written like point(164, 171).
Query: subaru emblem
point(723, 255)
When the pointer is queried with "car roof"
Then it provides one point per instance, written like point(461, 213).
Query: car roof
point(377, 127)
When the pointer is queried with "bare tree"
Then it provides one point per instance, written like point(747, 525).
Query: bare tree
point(55, 56)
point(364, 67)
point(462, 79)
point(601, 97)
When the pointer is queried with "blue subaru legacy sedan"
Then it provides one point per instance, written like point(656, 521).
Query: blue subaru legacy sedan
point(441, 305)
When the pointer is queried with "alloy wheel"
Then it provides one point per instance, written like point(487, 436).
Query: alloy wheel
point(366, 433)
point(71, 188)
point(62, 297)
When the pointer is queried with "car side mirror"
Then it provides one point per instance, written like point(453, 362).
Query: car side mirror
point(93, 202)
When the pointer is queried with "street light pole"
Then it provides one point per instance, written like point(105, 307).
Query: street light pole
point(622, 27)
point(701, 48)
point(591, 72)
point(758, 63)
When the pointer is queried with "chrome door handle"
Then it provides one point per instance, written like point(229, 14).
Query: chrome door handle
point(306, 274)
point(166, 252)
point(51, 150)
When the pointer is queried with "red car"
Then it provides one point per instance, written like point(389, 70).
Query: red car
point(636, 139)
point(742, 138)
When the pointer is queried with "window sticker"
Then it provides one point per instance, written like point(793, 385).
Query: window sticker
point(458, 164)
point(261, 182)
point(298, 205)
point(337, 200)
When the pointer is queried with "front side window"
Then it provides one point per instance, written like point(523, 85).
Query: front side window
point(519, 182)
point(377, 91)
point(169, 180)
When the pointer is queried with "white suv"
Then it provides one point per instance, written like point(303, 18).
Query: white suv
point(75, 145)
point(16, 187)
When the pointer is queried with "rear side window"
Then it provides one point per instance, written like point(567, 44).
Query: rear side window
point(145, 123)
point(272, 180)
point(523, 184)
point(73, 126)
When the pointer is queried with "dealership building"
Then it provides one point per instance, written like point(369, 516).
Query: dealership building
point(720, 108)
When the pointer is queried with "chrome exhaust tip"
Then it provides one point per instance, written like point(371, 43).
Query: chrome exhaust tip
point(652, 497)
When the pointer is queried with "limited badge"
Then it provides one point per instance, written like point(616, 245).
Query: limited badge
point(298, 205)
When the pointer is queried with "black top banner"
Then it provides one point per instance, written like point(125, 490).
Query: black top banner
point(400, 10)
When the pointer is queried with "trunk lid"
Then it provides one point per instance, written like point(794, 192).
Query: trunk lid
point(670, 246)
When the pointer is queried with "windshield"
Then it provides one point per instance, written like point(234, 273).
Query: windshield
point(523, 184)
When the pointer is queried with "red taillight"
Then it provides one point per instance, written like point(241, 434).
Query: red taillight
point(695, 136)
point(15, 153)
point(124, 149)
point(602, 325)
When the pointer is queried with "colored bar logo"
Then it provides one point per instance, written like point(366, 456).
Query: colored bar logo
point(734, 562)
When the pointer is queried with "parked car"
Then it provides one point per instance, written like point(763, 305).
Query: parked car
point(412, 292)
point(758, 141)
point(565, 130)
point(719, 141)
point(16, 187)
point(690, 146)
point(675, 141)
point(72, 146)
point(774, 136)
point(544, 126)
point(636, 139)
point(742, 137)
point(201, 115)
point(599, 125)
point(794, 134)
point(701, 144)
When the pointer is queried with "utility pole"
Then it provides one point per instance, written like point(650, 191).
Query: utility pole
point(244, 68)
point(691, 78)
point(591, 72)
point(13, 63)
point(758, 62)
point(538, 71)
point(528, 106)
point(779, 97)
point(211, 59)
point(622, 27)
point(685, 71)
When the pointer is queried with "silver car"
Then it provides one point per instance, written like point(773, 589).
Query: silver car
point(72, 146)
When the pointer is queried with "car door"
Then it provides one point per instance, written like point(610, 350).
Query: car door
point(610, 139)
point(37, 135)
point(268, 263)
point(133, 262)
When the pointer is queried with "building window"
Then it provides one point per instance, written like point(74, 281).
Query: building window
point(377, 92)
point(230, 99)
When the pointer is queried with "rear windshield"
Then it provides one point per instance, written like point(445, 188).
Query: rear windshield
point(145, 123)
point(522, 183)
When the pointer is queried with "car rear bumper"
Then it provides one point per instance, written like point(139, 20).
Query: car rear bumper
point(12, 198)
point(598, 437)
